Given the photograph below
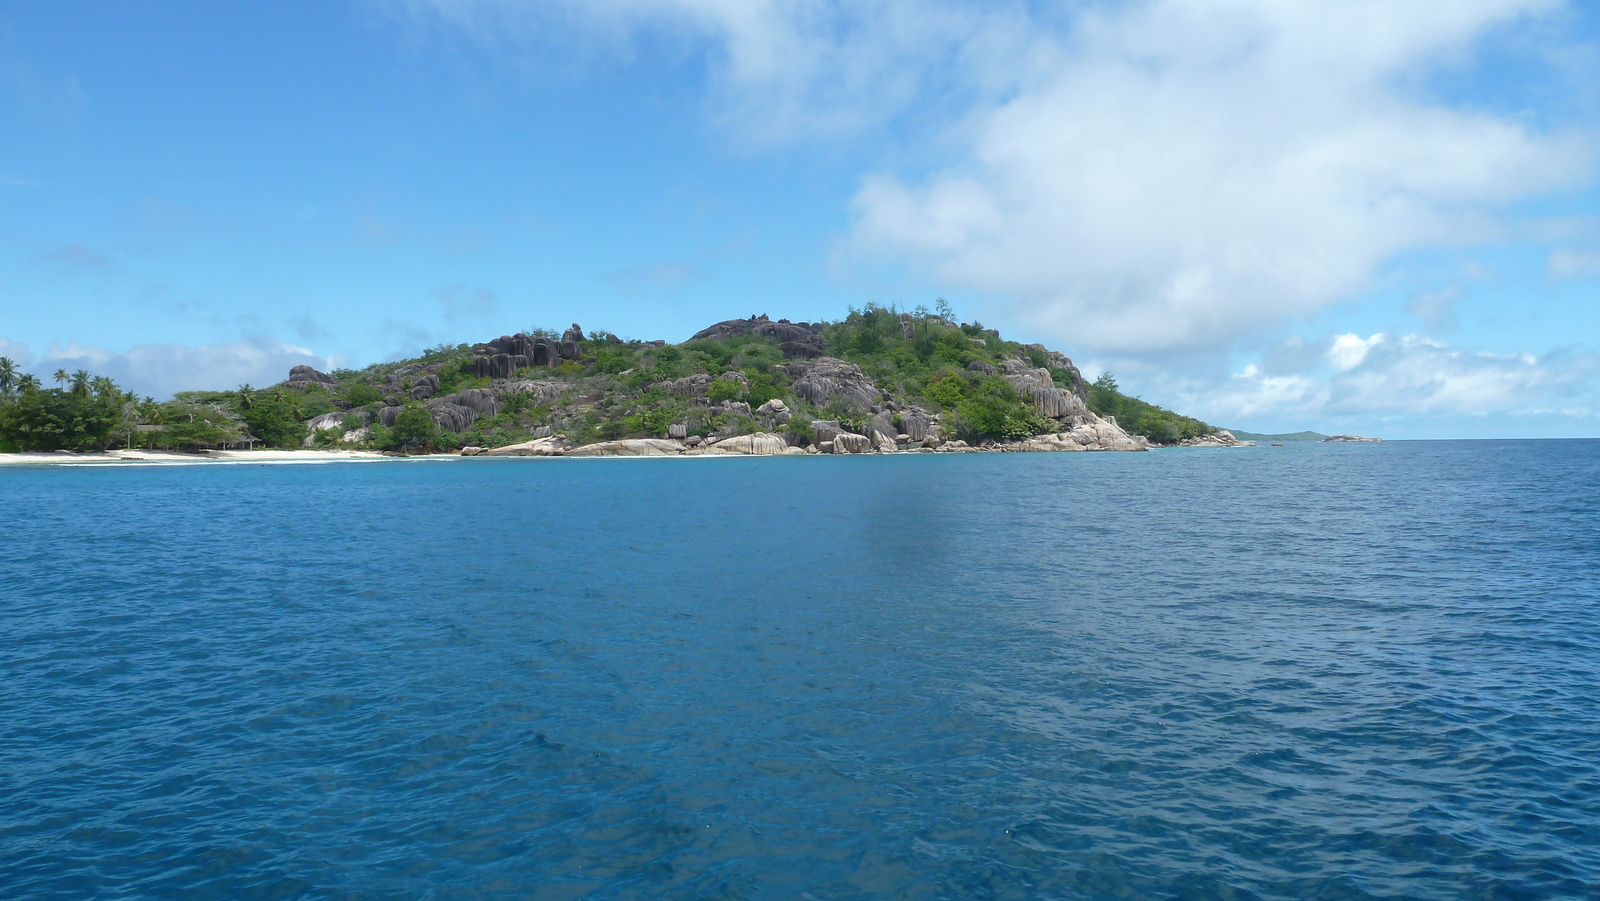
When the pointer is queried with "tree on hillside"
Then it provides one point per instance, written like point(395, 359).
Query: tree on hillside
point(247, 396)
point(8, 376)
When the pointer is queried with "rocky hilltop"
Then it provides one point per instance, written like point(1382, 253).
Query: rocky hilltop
point(880, 381)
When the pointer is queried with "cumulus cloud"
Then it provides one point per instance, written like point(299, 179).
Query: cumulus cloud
point(161, 370)
point(1157, 176)
point(1185, 173)
point(1383, 377)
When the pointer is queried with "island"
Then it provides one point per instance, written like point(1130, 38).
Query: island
point(878, 381)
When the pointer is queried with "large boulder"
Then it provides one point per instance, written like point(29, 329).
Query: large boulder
point(796, 339)
point(759, 444)
point(553, 446)
point(309, 377)
point(424, 387)
point(916, 425)
point(825, 429)
point(629, 447)
point(506, 354)
point(482, 401)
point(545, 392)
point(451, 417)
point(1038, 385)
point(819, 381)
point(851, 443)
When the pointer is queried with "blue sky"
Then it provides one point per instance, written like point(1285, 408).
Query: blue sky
point(1369, 216)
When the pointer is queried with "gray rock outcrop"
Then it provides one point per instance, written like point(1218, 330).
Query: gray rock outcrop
point(825, 378)
point(629, 447)
point(309, 377)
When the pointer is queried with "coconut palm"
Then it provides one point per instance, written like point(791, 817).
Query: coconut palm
point(247, 396)
point(80, 383)
point(103, 386)
point(8, 376)
point(27, 383)
point(61, 377)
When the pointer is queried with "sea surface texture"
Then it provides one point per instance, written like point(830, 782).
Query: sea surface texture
point(1308, 672)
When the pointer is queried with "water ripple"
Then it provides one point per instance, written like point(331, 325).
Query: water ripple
point(1332, 672)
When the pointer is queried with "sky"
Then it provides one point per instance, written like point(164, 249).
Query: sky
point(1372, 216)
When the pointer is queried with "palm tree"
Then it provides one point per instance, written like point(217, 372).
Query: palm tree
point(8, 376)
point(103, 386)
point(61, 376)
point(27, 383)
point(247, 396)
point(80, 383)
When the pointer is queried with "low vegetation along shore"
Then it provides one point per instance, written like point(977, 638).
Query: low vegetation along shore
point(878, 381)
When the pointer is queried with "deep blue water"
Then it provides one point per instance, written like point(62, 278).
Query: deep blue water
point(1316, 671)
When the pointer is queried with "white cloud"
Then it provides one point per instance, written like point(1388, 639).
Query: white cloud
point(163, 369)
point(1151, 176)
point(1386, 377)
point(1347, 351)
point(1188, 172)
point(1412, 374)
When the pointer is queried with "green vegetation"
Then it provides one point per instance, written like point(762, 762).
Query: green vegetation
point(616, 389)
point(1159, 425)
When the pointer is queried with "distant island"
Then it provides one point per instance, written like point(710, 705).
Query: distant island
point(880, 380)
point(1288, 436)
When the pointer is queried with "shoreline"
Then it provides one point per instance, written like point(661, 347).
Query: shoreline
point(173, 458)
point(285, 457)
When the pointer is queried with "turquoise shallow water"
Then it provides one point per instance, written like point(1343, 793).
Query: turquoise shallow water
point(1331, 672)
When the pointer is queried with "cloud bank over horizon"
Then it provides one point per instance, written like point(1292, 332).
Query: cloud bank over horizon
point(161, 370)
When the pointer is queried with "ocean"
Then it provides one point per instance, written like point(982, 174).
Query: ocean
point(1312, 671)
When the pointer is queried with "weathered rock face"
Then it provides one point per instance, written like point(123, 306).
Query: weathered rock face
point(1037, 385)
point(572, 334)
point(425, 386)
point(851, 443)
point(308, 377)
point(500, 358)
point(759, 444)
point(545, 392)
point(689, 386)
point(451, 417)
point(982, 366)
point(797, 339)
point(482, 401)
point(1220, 438)
point(629, 447)
point(821, 380)
point(538, 447)
point(324, 422)
point(916, 425)
point(1055, 359)
point(825, 429)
